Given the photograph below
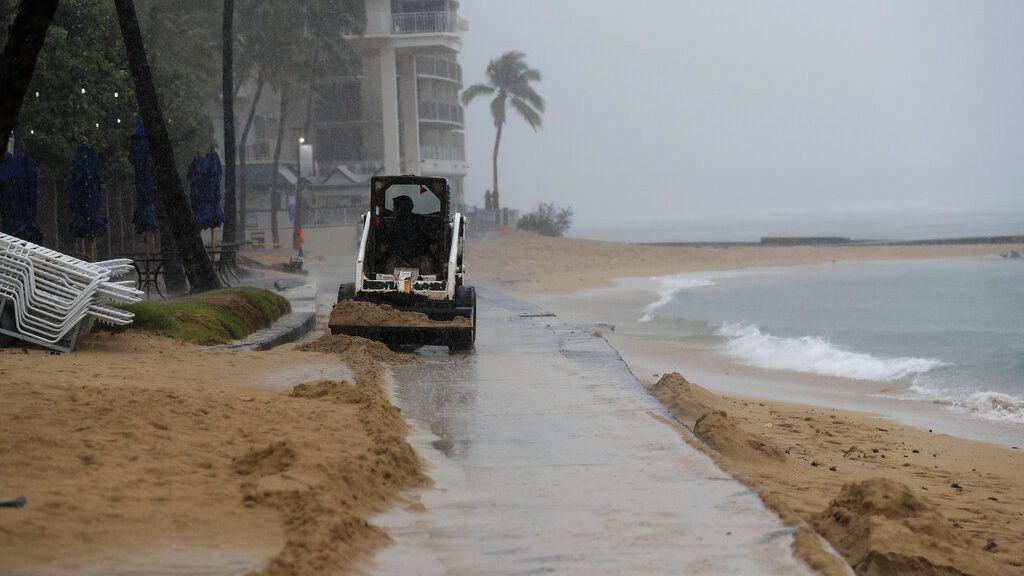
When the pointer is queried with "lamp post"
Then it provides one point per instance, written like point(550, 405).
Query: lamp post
point(303, 149)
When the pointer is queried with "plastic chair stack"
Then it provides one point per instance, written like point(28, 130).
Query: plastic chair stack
point(51, 299)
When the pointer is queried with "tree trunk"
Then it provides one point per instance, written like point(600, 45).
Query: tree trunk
point(243, 217)
point(497, 144)
point(170, 192)
point(299, 220)
point(174, 274)
point(230, 154)
point(25, 39)
point(274, 200)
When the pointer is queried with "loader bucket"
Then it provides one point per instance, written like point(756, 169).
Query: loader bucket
point(442, 331)
point(399, 337)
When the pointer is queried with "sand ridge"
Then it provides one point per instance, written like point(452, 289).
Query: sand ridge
point(869, 486)
point(138, 444)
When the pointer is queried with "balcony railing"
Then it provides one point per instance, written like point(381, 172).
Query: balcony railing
point(423, 22)
point(258, 150)
point(442, 153)
point(429, 66)
point(441, 112)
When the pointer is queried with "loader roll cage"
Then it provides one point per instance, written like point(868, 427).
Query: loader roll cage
point(428, 218)
point(410, 228)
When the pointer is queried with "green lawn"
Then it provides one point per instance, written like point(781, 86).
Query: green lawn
point(216, 317)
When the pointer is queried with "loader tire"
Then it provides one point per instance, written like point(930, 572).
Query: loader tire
point(465, 297)
point(346, 291)
point(7, 323)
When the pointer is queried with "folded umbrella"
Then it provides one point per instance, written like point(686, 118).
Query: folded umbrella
point(141, 158)
point(19, 186)
point(85, 191)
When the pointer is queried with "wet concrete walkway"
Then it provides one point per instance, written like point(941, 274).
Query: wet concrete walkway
point(549, 457)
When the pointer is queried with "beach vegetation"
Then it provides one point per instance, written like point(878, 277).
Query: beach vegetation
point(210, 318)
point(547, 219)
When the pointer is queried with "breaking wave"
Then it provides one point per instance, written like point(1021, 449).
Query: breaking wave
point(754, 347)
point(984, 404)
point(669, 286)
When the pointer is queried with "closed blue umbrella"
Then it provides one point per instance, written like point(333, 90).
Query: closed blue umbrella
point(20, 182)
point(145, 200)
point(197, 184)
point(85, 191)
point(7, 194)
point(204, 177)
point(214, 174)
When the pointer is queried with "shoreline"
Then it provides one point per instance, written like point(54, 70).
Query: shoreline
point(650, 349)
point(972, 487)
point(722, 375)
point(528, 264)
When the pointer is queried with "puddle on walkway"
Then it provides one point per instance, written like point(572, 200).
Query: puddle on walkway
point(545, 458)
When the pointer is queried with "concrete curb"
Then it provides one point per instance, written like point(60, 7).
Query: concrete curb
point(288, 328)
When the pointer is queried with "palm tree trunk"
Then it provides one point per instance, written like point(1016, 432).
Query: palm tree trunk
point(243, 217)
point(228, 94)
point(171, 194)
point(497, 144)
point(174, 274)
point(25, 39)
point(274, 200)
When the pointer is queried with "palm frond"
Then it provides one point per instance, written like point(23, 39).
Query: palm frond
point(531, 116)
point(526, 92)
point(475, 90)
point(532, 75)
point(498, 108)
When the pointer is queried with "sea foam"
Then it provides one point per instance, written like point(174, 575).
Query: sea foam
point(755, 347)
point(670, 286)
point(985, 404)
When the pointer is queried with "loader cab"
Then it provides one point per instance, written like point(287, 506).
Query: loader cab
point(409, 225)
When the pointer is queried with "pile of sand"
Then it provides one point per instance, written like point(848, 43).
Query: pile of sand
point(324, 508)
point(354, 312)
point(723, 434)
point(881, 527)
point(821, 469)
point(686, 400)
point(116, 453)
point(352, 346)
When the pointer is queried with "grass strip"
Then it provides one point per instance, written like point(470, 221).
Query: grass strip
point(210, 318)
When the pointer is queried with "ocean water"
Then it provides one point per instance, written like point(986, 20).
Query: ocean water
point(944, 331)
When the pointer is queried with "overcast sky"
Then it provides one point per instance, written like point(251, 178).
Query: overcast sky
point(659, 108)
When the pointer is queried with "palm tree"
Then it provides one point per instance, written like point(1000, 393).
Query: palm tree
point(228, 93)
point(171, 195)
point(18, 60)
point(509, 78)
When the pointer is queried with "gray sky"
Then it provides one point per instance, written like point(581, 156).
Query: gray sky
point(664, 108)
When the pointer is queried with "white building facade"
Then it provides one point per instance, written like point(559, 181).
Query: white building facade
point(397, 113)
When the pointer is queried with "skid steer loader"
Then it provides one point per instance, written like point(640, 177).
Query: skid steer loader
point(410, 258)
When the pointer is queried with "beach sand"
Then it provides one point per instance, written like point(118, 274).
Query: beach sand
point(139, 452)
point(801, 456)
point(831, 472)
point(528, 264)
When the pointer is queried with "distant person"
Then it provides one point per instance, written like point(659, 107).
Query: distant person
point(409, 239)
point(488, 200)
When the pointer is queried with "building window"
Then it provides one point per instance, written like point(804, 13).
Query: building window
point(339, 143)
point(340, 102)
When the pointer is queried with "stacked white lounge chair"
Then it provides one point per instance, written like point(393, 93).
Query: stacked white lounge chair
point(51, 299)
